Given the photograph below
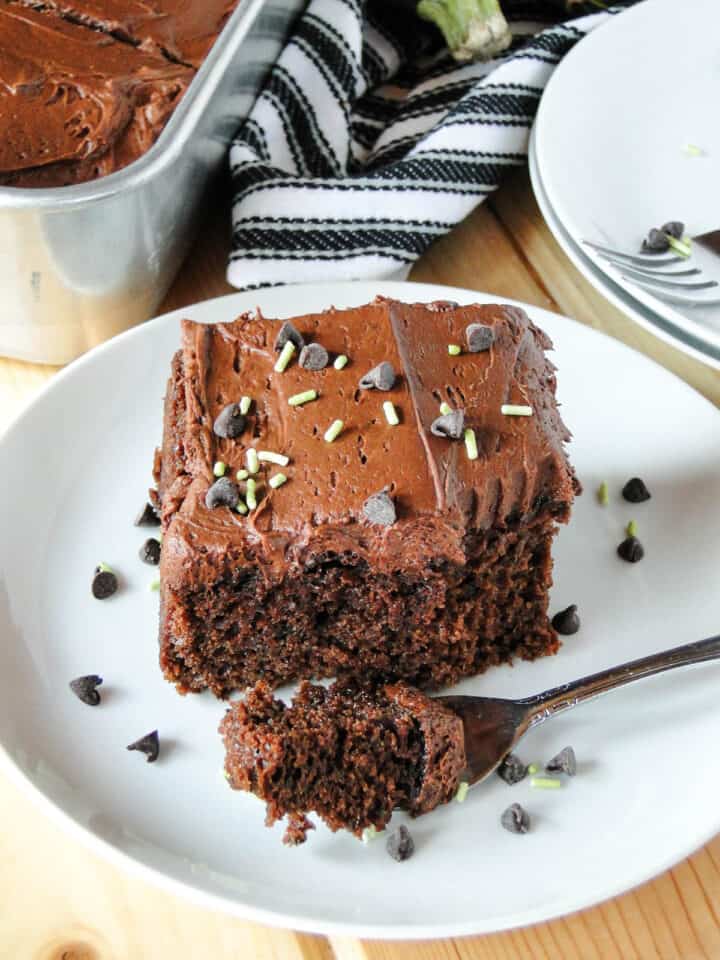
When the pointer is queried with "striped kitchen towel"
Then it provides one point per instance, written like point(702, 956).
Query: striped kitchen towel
point(368, 141)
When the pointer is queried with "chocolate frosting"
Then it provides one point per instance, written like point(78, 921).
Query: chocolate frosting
point(183, 30)
point(86, 93)
point(441, 496)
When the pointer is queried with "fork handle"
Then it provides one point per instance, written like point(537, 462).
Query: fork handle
point(545, 705)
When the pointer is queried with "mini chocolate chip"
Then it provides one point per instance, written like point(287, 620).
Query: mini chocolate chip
point(149, 745)
point(223, 493)
point(380, 509)
point(676, 228)
point(449, 425)
point(635, 491)
point(85, 689)
point(515, 819)
point(381, 377)
point(289, 332)
point(655, 241)
point(479, 337)
point(567, 621)
point(512, 770)
point(229, 423)
point(439, 306)
point(104, 584)
point(150, 551)
point(313, 356)
point(563, 762)
point(147, 517)
point(400, 844)
point(631, 550)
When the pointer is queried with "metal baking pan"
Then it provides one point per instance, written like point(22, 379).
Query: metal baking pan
point(80, 263)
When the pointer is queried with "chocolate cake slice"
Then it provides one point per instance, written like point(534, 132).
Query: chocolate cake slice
point(352, 753)
point(416, 550)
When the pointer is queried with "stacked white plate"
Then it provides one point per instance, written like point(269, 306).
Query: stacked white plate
point(626, 139)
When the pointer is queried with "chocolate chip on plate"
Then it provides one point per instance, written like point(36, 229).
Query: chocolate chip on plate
point(450, 425)
point(400, 844)
point(512, 770)
point(291, 333)
point(380, 509)
point(313, 356)
point(149, 745)
point(631, 550)
point(104, 582)
point(85, 689)
point(147, 517)
point(229, 423)
point(479, 337)
point(563, 762)
point(567, 621)
point(223, 493)
point(515, 819)
point(635, 491)
point(381, 377)
point(150, 551)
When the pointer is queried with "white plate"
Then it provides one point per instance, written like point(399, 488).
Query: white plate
point(611, 133)
point(684, 337)
point(75, 467)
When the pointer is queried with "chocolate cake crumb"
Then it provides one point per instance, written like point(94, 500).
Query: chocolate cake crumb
point(297, 829)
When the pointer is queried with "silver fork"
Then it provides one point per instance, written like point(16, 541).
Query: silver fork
point(648, 270)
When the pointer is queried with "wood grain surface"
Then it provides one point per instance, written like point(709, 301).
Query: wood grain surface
point(60, 902)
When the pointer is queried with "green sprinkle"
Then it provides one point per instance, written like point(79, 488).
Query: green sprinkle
point(471, 444)
point(155, 585)
point(445, 409)
point(370, 833)
point(277, 481)
point(545, 783)
point(390, 414)
point(242, 475)
point(631, 529)
point(603, 494)
point(462, 791)
point(286, 355)
point(219, 468)
point(532, 768)
point(250, 491)
point(267, 456)
point(693, 150)
point(334, 431)
point(340, 362)
point(241, 507)
point(105, 568)
point(298, 399)
point(515, 410)
point(681, 247)
point(245, 404)
point(454, 349)
point(251, 458)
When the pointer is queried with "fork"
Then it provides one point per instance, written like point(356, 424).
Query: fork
point(647, 270)
point(492, 727)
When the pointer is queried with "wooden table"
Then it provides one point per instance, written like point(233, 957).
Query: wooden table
point(60, 902)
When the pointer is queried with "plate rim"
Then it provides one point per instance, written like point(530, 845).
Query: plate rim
point(226, 903)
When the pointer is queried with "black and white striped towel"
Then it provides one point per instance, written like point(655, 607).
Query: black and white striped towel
point(364, 147)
